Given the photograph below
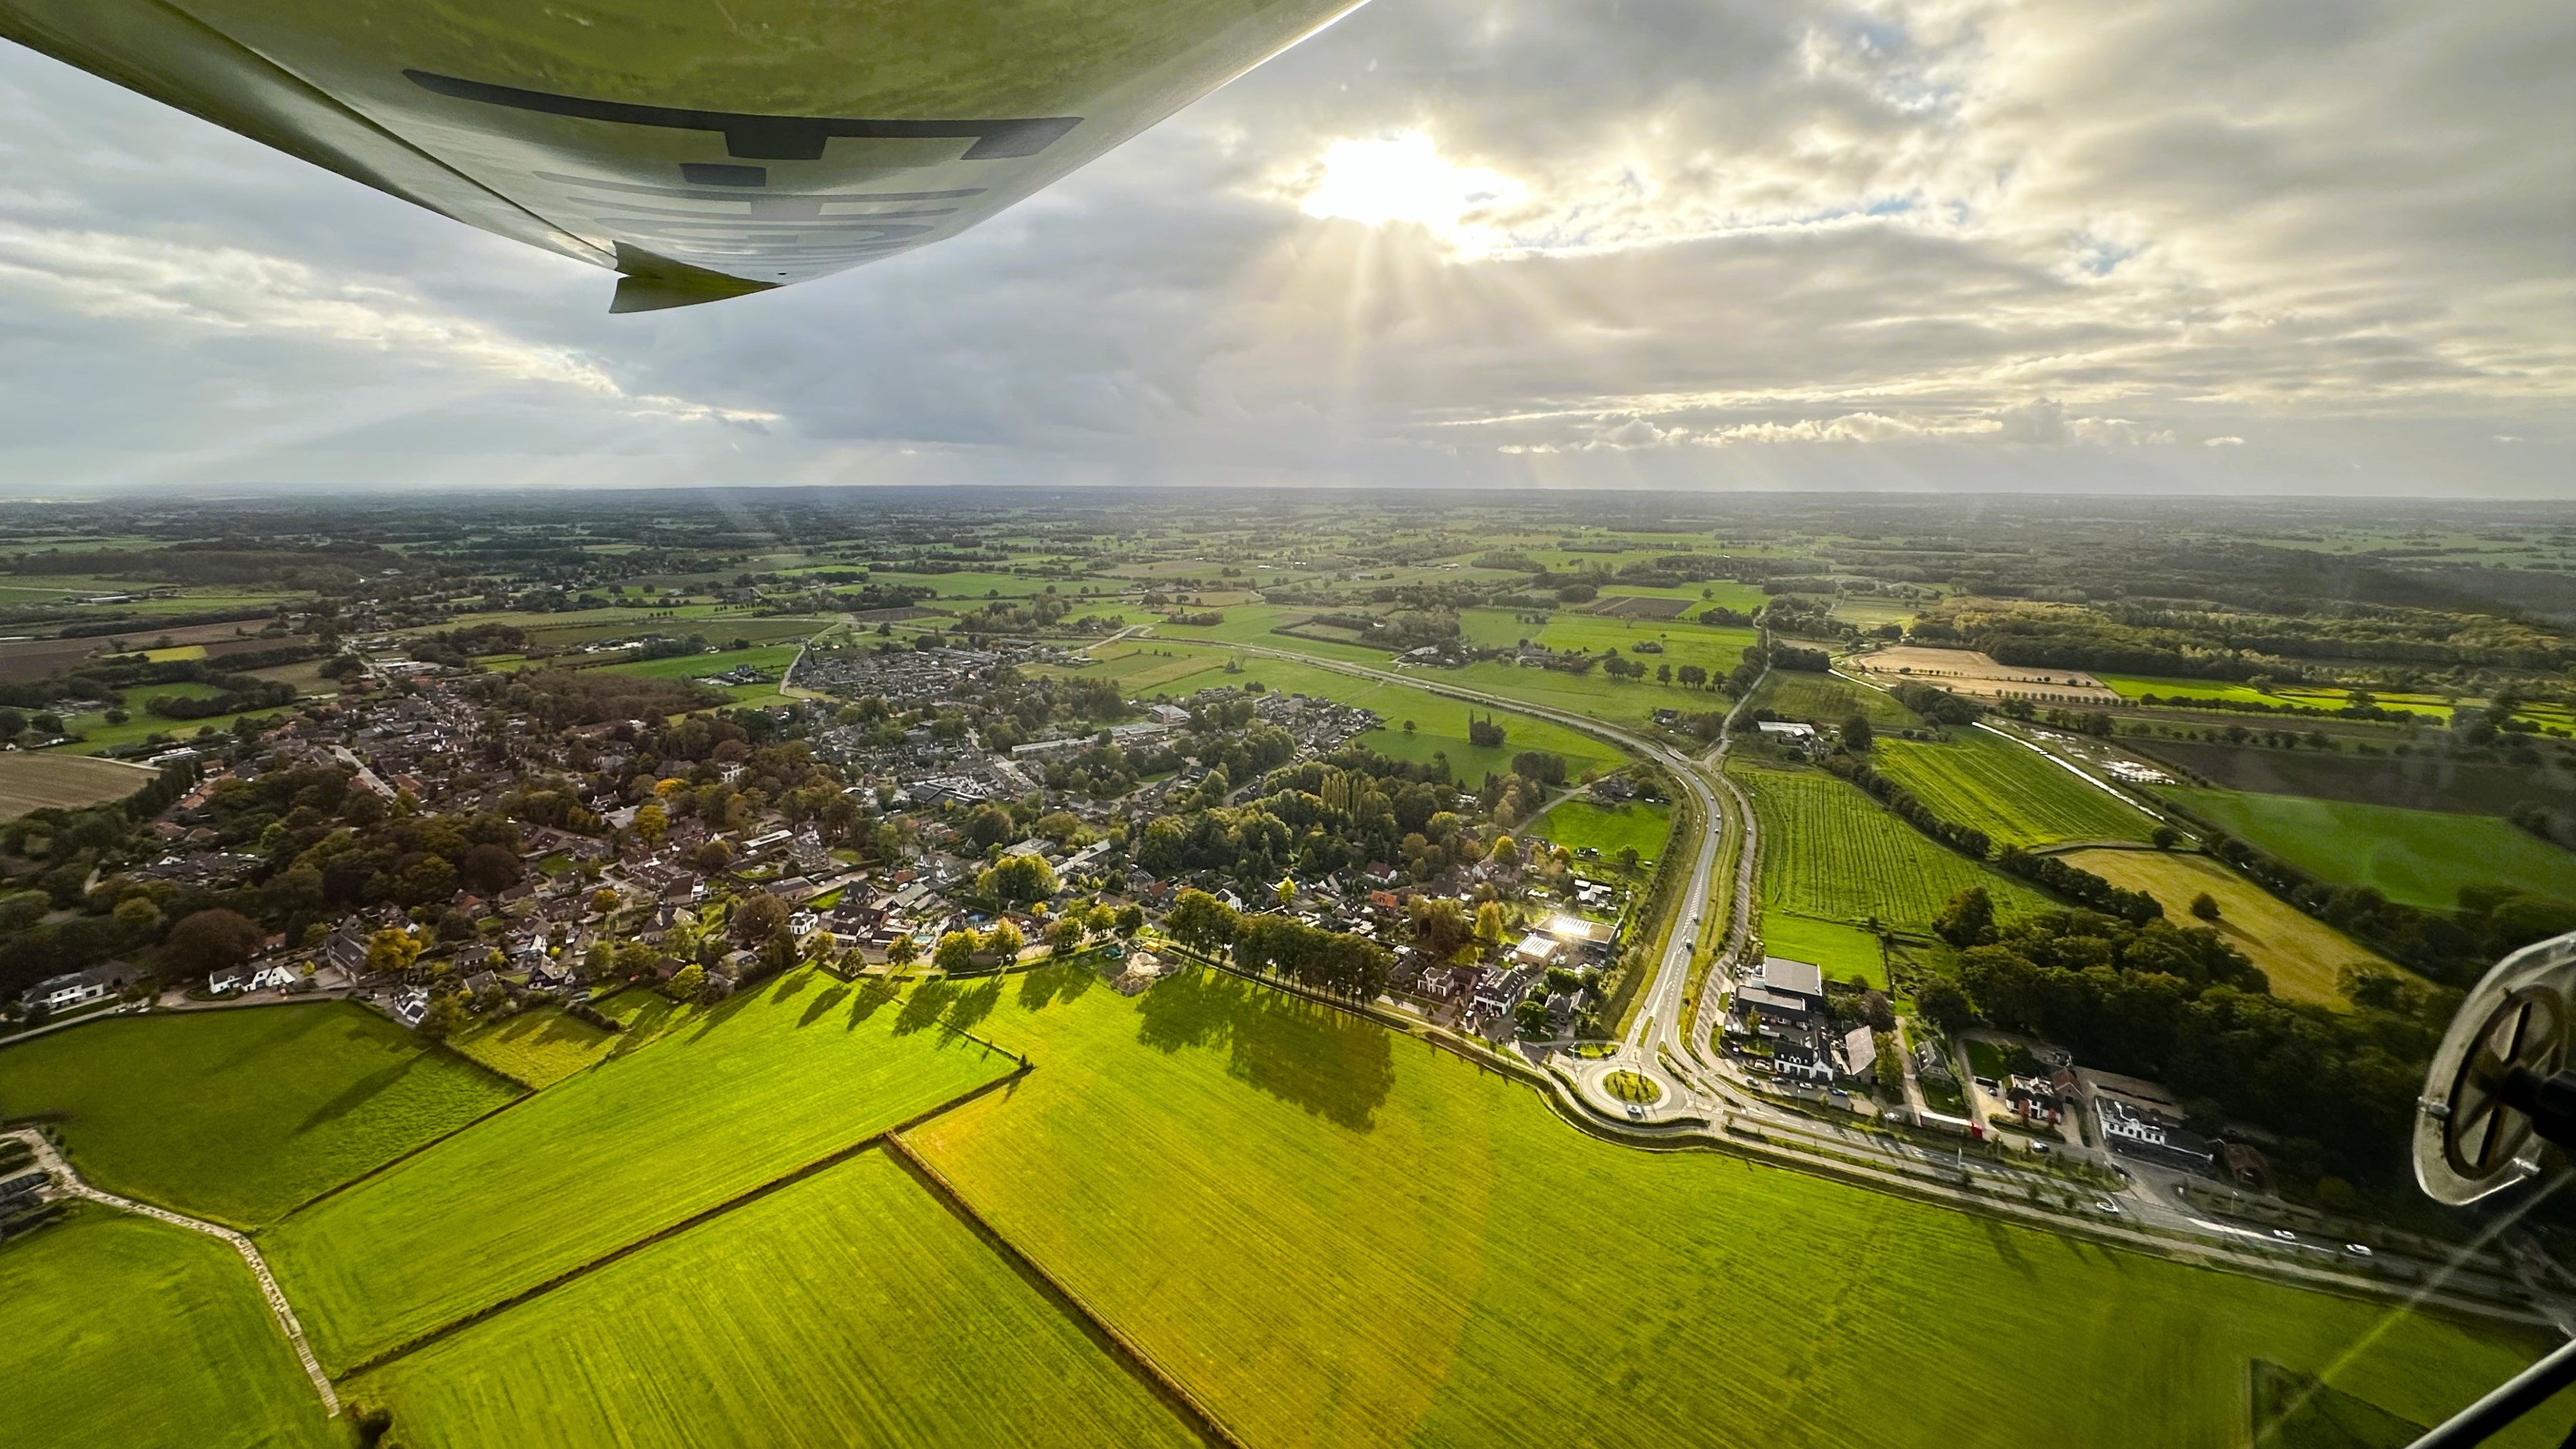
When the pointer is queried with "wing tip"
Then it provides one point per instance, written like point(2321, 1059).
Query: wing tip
point(655, 284)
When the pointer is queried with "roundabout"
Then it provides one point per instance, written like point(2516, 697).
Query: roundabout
point(1631, 1088)
point(1624, 1089)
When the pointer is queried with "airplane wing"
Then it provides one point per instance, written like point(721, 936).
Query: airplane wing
point(702, 150)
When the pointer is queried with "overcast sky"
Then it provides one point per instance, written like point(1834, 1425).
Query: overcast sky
point(2260, 246)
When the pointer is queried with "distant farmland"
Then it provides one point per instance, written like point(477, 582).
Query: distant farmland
point(2420, 857)
point(2007, 791)
point(1829, 851)
point(50, 779)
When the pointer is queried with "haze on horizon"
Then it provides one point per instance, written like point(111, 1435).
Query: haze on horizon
point(2210, 246)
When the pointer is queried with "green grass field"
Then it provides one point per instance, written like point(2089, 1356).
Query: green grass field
point(850, 1308)
point(2133, 686)
point(1716, 650)
point(539, 1048)
point(132, 1333)
point(96, 734)
point(769, 1082)
point(2007, 791)
point(239, 1115)
point(2302, 955)
point(1155, 666)
point(973, 586)
point(1830, 853)
point(770, 659)
point(1440, 723)
point(2420, 857)
point(1829, 700)
point(1337, 1237)
point(1579, 823)
point(1627, 703)
point(1843, 951)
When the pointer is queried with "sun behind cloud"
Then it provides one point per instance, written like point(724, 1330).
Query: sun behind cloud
point(1403, 179)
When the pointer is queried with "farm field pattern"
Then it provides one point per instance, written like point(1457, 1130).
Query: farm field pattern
point(1829, 700)
point(2301, 955)
point(638, 1143)
point(34, 781)
point(849, 1308)
point(1830, 852)
point(2007, 791)
point(1295, 1190)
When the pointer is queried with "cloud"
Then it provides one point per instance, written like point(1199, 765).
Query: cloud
point(1698, 242)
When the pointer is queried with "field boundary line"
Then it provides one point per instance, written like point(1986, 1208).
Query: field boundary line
point(1100, 1329)
point(707, 1214)
point(282, 1312)
point(526, 1094)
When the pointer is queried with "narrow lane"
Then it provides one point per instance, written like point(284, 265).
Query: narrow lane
point(72, 1184)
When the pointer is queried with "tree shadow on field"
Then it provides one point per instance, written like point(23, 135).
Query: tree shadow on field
point(2008, 1249)
point(923, 1008)
point(792, 983)
point(872, 995)
point(1329, 1062)
point(1048, 985)
point(732, 1006)
point(971, 1007)
point(259, 1047)
point(358, 1093)
point(824, 1001)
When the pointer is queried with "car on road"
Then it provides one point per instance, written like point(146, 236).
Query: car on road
point(2357, 1250)
point(2106, 1205)
point(2285, 1235)
point(1636, 1112)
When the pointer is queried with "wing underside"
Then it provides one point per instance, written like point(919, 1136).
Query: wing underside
point(702, 151)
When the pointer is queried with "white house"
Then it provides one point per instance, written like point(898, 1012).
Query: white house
point(79, 988)
point(257, 976)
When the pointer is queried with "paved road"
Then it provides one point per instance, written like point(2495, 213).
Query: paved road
point(52, 1161)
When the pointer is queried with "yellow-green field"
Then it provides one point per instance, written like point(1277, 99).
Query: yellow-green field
point(1978, 779)
point(1831, 854)
point(1333, 1236)
point(539, 1048)
point(2301, 954)
point(764, 1084)
point(849, 1308)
